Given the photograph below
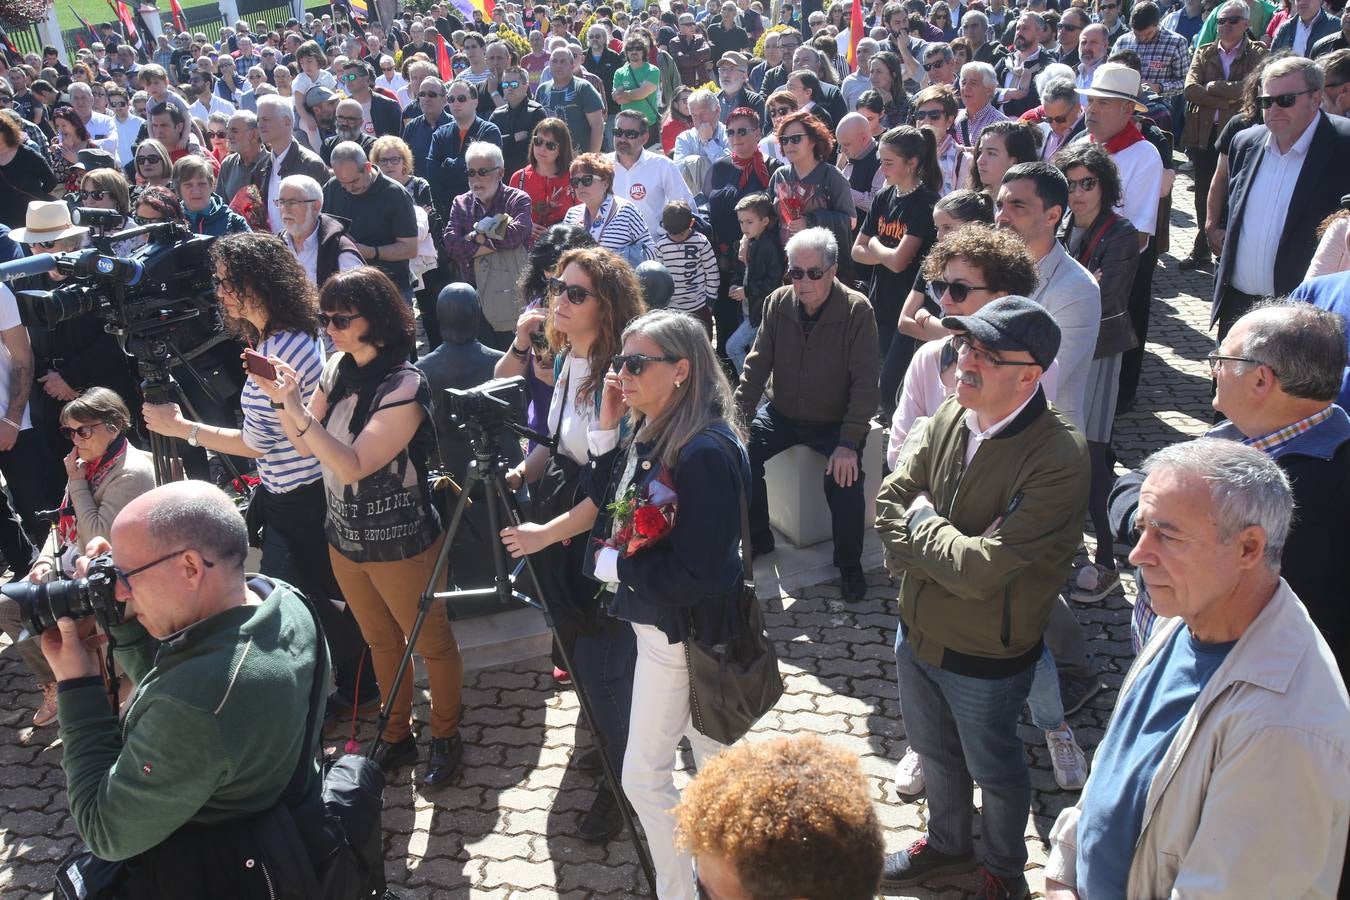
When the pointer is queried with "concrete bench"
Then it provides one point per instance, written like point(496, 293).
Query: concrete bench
point(795, 482)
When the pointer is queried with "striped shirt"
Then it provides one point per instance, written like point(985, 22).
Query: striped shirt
point(693, 266)
point(617, 226)
point(281, 467)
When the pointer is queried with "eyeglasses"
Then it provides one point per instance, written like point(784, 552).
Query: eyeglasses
point(46, 245)
point(930, 114)
point(575, 293)
point(388, 161)
point(1283, 101)
point(1105, 6)
point(430, 94)
point(959, 291)
point(789, 139)
point(481, 173)
point(1216, 358)
point(83, 432)
point(628, 134)
point(1086, 183)
point(125, 577)
point(636, 362)
point(348, 120)
point(460, 98)
point(1065, 26)
point(513, 84)
point(584, 180)
point(815, 273)
point(146, 220)
point(97, 196)
point(115, 105)
point(290, 203)
point(340, 322)
point(1230, 20)
point(964, 344)
point(780, 110)
point(545, 143)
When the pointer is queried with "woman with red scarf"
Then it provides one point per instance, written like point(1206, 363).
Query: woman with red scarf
point(103, 474)
point(746, 171)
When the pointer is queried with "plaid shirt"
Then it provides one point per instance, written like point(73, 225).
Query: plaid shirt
point(1165, 59)
point(968, 129)
point(1269, 443)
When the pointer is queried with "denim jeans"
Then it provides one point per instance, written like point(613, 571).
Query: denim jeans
point(965, 730)
point(740, 342)
point(770, 434)
point(603, 663)
point(1047, 707)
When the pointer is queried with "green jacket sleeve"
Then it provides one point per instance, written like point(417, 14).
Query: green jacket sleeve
point(127, 798)
point(135, 651)
point(898, 490)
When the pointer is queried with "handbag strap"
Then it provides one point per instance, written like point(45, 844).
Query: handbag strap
point(747, 566)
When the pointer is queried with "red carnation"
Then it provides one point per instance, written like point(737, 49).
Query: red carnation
point(649, 522)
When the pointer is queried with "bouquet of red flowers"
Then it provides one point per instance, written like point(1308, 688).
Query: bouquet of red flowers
point(641, 520)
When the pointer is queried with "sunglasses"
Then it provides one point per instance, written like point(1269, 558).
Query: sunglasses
point(963, 343)
point(340, 322)
point(789, 139)
point(1059, 120)
point(743, 131)
point(430, 94)
point(216, 135)
point(115, 105)
point(545, 143)
point(83, 432)
point(1106, 6)
point(45, 245)
point(146, 220)
point(1283, 101)
point(584, 180)
point(575, 293)
point(629, 134)
point(460, 98)
point(797, 273)
point(1065, 26)
point(636, 362)
point(928, 67)
point(98, 196)
point(513, 84)
point(930, 114)
point(147, 160)
point(350, 76)
point(1230, 20)
point(960, 292)
point(780, 111)
point(125, 577)
point(1087, 183)
point(481, 173)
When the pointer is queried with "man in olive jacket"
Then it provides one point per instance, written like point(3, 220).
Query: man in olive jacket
point(980, 523)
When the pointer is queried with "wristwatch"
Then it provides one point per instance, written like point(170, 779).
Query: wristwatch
point(192, 434)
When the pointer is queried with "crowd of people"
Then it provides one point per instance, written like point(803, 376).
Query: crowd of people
point(703, 234)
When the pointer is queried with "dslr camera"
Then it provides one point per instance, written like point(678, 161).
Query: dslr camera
point(40, 605)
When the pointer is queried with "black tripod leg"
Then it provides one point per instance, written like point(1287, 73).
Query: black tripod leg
point(508, 501)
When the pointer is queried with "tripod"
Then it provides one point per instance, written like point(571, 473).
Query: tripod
point(489, 469)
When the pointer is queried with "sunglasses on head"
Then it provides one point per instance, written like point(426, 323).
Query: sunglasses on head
point(83, 432)
point(340, 322)
point(636, 362)
point(481, 173)
point(960, 292)
point(584, 180)
point(793, 138)
point(629, 134)
point(575, 293)
point(545, 143)
point(1283, 101)
point(797, 273)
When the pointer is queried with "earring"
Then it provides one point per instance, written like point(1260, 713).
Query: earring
point(677, 385)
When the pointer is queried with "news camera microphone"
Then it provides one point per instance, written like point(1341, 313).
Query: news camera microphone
point(29, 265)
point(107, 219)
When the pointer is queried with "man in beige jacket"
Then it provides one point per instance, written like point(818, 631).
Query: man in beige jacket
point(1223, 771)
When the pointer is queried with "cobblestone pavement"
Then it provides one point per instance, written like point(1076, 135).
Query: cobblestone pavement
point(504, 830)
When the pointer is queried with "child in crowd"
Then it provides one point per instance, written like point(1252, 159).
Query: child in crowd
point(764, 262)
point(688, 256)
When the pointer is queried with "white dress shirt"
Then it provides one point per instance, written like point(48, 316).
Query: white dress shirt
point(651, 183)
point(1302, 35)
point(978, 437)
point(274, 190)
point(1267, 207)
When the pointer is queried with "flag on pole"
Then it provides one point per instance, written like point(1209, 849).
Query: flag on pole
point(359, 9)
point(178, 19)
point(443, 59)
point(855, 29)
point(93, 34)
point(123, 16)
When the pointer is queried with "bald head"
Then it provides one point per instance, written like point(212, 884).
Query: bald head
point(854, 133)
point(187, 513)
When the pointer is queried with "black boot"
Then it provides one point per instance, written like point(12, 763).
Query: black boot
point(443, 759)
point(394, 756)
point(603, 820)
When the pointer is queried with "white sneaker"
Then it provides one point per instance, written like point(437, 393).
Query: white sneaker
point(1094, 584)
point(1067, 757)
point(909, 774)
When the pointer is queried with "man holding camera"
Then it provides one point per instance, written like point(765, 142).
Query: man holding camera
point(224, 670)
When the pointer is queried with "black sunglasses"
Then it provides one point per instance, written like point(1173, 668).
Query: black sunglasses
point(340, 322)
point(546, 144)
point(46, 245)
point(459, 98)
point(96, 196)
point(742, 131)
point(797, 273)
point(481, 173)
point(1065, 26)
point(928, 67)
point(1283, 101)
point(933, 114)
point(430, 94)
point(584, 180)
point(216, 135)
point(958, 290)
point(792, 138)
point(1230, 20)
point(636, 362)
point(83, 432)
point(575, 293)
point(628, 134)
point(146, 160)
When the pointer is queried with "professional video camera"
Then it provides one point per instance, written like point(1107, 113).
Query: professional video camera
point(496, 403)
point(40, 605)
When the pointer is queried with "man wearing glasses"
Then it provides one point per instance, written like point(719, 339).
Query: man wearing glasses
point(1108, 14)
point(319, 242)
point(445, 157)
point(516, 117)
point(980, 523)
point(380, 115)
point(824, 393)
point(1285, 177)
point(180, 551)
point(1071, 25)
point(128, 125)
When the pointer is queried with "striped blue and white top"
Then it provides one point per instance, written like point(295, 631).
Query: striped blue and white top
point(281, 467)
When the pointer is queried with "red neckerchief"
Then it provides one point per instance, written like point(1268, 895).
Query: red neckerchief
point(752, 164)
point(1126, 137)
point(66, 528)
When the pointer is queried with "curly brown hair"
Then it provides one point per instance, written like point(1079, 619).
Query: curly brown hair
point(259, 269)
point(822, 142)
point(793, 817)
point(369, 291)
point(615, 287)
point(1004, 262)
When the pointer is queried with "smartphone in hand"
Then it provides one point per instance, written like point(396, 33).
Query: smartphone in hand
point(258, 364)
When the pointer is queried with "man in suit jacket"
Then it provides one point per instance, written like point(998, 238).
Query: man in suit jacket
point(1285, 177)
point(284, 155)
point(386, 116)
point(1308, 25)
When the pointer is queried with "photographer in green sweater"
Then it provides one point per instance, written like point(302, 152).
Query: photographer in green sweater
point(223, 668)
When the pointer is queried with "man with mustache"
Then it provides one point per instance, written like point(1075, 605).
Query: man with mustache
point(347, 124)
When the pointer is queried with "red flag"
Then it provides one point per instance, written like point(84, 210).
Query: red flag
point(855, 28)
point(93, 32)
point(124, 16)
point(488, 7)
point(177, 15)
point(443, 59)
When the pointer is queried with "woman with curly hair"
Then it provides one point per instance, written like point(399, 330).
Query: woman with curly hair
point(808, 190)
point(368, 424)
point(269, 303)
point(592, 300)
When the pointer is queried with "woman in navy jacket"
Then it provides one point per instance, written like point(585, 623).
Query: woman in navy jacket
point(680, 411)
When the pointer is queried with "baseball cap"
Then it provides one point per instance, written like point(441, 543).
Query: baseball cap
point(319, 94)
point(1012, 323)
point(734, 58)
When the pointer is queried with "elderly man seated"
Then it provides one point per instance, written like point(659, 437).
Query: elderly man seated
point(319, 241)
point(818, 339)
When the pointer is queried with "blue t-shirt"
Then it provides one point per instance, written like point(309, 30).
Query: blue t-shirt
point(1145, 723)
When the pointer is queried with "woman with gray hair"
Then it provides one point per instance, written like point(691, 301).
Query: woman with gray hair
point(683, 447)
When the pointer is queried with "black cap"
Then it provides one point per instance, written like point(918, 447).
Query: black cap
point(94, 158)
point(1012, 323)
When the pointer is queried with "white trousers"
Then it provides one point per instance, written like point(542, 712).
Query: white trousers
point(660, 715)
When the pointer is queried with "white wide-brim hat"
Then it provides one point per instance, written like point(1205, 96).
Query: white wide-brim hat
point(47, 220)
point(1113, 81)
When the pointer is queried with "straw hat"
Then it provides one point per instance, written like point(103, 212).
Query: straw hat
point(47, 220)
point(1113, 81)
